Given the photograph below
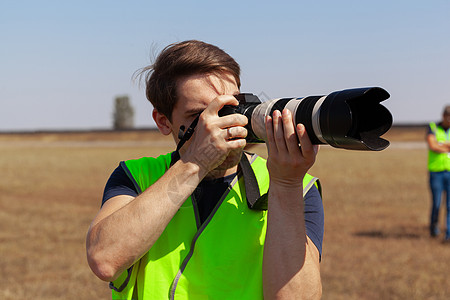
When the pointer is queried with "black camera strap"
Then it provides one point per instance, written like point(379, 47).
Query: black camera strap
point(254, 199)
point(184, 136)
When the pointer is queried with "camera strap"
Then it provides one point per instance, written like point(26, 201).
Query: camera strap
point(254, 199)
point(184, 136)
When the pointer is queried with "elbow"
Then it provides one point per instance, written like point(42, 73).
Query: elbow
point(99, 262)
point(101, 267)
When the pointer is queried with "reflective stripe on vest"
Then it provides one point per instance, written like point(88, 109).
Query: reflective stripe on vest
point(438, 162)
point(219, 259)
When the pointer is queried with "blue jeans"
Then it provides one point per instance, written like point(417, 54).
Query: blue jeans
point(439, 182)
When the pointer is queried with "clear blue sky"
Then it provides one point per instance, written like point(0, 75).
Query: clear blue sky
point(63, 62)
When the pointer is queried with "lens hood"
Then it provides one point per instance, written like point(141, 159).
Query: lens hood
point(355, 119)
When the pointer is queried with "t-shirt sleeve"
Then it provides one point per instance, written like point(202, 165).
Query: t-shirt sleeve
point(314, 217)
point(118, 184)
point(429, 131)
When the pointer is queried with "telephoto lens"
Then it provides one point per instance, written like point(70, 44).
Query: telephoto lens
point(350, 119)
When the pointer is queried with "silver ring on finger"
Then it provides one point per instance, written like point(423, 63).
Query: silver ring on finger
point(229, 135)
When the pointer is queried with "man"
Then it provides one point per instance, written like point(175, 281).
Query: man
point(179, 226)
point(438, 139)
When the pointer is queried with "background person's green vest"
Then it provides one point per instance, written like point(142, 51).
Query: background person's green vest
point(221, 259)
point(438, 162)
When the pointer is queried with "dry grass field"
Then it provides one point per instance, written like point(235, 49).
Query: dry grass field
point(376, 242)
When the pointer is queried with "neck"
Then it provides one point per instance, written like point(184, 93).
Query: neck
point(229, 166)
point(218, 173)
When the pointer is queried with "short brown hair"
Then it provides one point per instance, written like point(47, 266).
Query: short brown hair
point(179, 60)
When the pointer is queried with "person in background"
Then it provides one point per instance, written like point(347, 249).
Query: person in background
point(438, 139)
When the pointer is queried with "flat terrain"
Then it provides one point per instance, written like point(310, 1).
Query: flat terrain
point(376, 242)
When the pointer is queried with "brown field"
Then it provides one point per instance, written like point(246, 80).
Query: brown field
point(376, 242)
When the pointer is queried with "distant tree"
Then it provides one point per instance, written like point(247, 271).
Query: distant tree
point(123, 113)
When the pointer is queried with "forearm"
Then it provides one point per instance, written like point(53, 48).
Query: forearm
point(118, 240)
point(435, 146)
point(440, 148)
point(291, 263)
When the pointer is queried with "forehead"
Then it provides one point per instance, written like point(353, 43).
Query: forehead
point(197, 91)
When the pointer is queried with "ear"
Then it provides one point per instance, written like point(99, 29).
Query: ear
point(163, 123)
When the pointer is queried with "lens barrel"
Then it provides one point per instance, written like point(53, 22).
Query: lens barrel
point(350, 119)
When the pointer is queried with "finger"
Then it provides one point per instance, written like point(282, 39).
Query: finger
point(235, 132)
point(316, 149)
point(307, 149)
point(278, 132)
point(231, 121)
point(236, 144)
point(219, 102)
point(269, 132)
point(290, 134)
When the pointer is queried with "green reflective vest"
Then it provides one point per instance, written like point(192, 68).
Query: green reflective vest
point(219, 259)
point(438, 162)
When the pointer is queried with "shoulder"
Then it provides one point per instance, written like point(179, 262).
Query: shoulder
point(431, 128)
point(119, 183)
point(126, 178)
point(160, 162)
point(146, 170)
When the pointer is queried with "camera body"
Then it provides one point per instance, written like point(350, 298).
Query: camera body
point(350, 119)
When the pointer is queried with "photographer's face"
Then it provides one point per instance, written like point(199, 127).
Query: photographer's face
point(446, 120)
point(194, 94)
